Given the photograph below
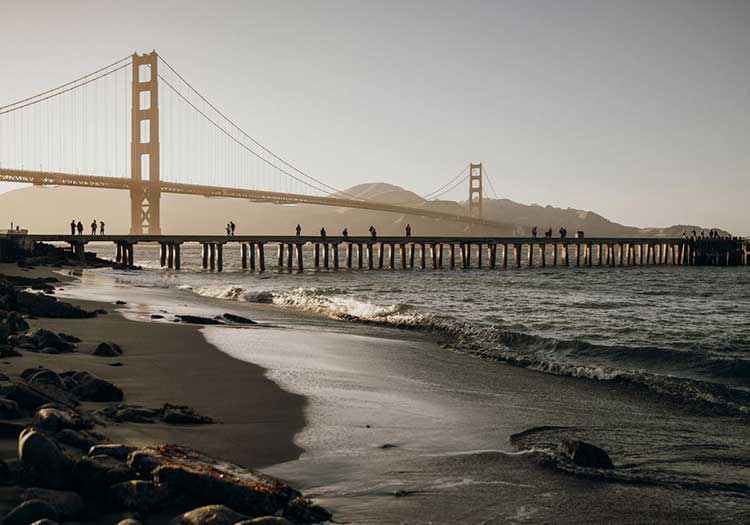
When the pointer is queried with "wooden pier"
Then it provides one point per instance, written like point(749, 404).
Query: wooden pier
point(334, 253)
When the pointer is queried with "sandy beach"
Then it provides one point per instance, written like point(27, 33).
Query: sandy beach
point(386, 426)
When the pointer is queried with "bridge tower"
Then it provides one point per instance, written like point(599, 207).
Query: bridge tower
point(145, 191)
point(475, 190)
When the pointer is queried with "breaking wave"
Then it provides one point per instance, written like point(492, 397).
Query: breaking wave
point(668, 372)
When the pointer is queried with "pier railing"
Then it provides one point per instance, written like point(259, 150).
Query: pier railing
point(433, 252)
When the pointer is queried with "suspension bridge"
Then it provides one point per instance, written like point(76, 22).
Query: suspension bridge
point(79, 133)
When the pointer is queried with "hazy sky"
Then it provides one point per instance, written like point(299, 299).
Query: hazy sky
point(637, 110)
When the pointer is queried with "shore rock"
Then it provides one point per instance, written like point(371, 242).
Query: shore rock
point(30, 511)
point(139, 496)
point(266, 520)
point(7, 351)
point(196, 319)
point(115, 450)
point(88, 387)
point(129, 521)
point(51, 417)
point(129, 413)
point(183, 415)
point(42, 305)
point(44, 341)
point(108, 349)
point(15, 322)
point(584, 454)
point(9, 409)
point(94, 475)
point(80, 439)
point(237, 319)
point(25, 396)
point(67, 505)
point(43, 460)
point(41, 376)
point(209, 515)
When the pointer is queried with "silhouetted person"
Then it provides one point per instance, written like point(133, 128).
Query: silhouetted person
point(533, 232)
point(373, 233)
point(693, 234)
point(101, 227)
point(73, 227)
point(562, 233)
point(93, 228)
point(345, 233)
point(323, 234)
point(549, 233)
point(232, 226)
point(228, 229)
point(408, 230)
point(79, 227)
point(298, 230)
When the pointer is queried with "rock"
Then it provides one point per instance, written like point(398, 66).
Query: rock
point(129, 413)
point(42, 376)
point(15, 322)
point(69, 338)
point(139, 496)
point(29, 512)
point(24, 395)
point(94, 475)
point(9, 409)
point(238, 319)
point(129, 521)
point(67, 505)
point(41, 305)
point(101, 311)
point(182, 415)
point(120, 302)
point(43, 460)
point(88, 387)
point(157, 316)
point(301, 510)
point(108, 349)
point(51, 417)
point(80, 439)
point(44, 521)
point(116, 363)
point(584, 454)
point(196, 319)
point(115, 450)
point(7, 351)
point(266, 520)
point(209, 515)
point(43, 338)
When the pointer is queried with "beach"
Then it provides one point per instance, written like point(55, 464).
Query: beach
point(382, 425)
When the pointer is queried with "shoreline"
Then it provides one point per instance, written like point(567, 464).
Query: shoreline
point(400, 430)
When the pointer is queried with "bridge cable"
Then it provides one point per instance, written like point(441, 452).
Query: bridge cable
point(3, 112)
point(242, 145)
point(490, 181)
point(429, 196)
point(66, 84)
point(238, 128)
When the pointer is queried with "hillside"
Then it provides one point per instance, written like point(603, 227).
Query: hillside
point(50, 209)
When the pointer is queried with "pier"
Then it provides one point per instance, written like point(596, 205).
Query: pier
point(366, 253)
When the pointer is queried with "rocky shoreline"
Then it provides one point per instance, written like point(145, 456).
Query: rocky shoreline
point(67, 470)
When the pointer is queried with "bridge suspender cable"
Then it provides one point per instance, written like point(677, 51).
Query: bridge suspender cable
point(76, 81)
point(246, 135)
point(487, 177)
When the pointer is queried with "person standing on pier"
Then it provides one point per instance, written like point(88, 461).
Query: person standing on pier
point(408, 230)
point(228, 229)
point(323, 233)
point(232, 226)
point(533, 232)
point(73, 227)
point(101, 227)
point(345, 233)
point(93, 227)
point(79, 227)
point(373, 233)
point(298, 230)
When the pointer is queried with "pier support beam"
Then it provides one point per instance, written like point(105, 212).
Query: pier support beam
point(519, 249)
point(381, 255)
point(252, 256)
point(300, 264)
point(261, 257)
point(392, 256)
point(453, 254)
point(325, 255)
point(402, 254)
point(335, 256)
point(243, 255)
point(280, 254)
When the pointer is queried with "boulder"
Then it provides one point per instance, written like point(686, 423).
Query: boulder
point(209, 515)
point(25, 396)
point(88, 387)
point(129, 521)
point(301, 510)
point(140, 496)
point(237, 319)
point(15, 322)
point(7, 351)
point(29, 512)
point(67, 505)
point(115, 450)
point(108, 349)
point(43, 338)
point(42, 376)
point(182, 415)
point(9, 409)
point(196, 319)
point(42, 305)
point(44, 462)
point(120, 302)
point(94, 475)
point(44, 521)
point(80, 439)
point(584, 454)
point(129, 413)
point(69, 338)
point(55, 417)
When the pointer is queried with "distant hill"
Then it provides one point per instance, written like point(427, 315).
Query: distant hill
point(50, 209)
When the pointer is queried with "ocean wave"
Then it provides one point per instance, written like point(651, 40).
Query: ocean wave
point(653, 368)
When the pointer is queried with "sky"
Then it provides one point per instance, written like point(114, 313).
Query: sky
point(637, 110)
